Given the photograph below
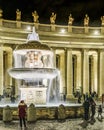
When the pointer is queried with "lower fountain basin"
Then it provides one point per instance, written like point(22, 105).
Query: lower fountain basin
point(33, 73)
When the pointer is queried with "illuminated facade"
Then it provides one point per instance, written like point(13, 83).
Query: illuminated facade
point(78, 51)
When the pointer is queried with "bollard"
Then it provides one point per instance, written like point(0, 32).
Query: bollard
point(7, 114)
point(61, 113)
point(31, 113)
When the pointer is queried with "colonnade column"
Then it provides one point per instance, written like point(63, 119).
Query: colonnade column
point(95, 74)
point(62, 71)
point(8, 66)
point(101, 73)
point(1, 71)
point(69, 74)
point(78, 74)
point(85, 71)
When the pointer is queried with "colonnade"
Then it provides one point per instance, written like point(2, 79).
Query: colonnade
point(84, 75)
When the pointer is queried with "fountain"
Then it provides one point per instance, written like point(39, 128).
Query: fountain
point(38, 79)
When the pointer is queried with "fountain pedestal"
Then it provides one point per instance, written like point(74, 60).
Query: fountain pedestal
point(35, 95)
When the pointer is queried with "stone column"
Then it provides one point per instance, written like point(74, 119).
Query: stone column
point(69, 74)
point(18, 24)
point(8, 66)
point(62, 71)
point(78, 72)
point(36, 25)
point(1, 22)
point(53, 27)
point(1, 71)
point(102, 29)
point(101, 72)
point(85, 71)
point(95, 74)
point(70, 29)
point(86, 29)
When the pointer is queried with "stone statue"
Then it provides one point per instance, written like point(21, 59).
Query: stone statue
point(35, 16)
point(102, 20)
point(53, 18)
point(70, 21)
point(86, 20)
point(18, 15)
point(1, 13)
point(33, 36)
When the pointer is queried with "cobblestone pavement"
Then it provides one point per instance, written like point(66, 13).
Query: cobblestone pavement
point(69, 124)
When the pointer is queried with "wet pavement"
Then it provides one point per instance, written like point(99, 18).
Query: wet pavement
point(68, 124)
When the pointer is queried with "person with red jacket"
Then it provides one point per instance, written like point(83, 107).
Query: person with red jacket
point(22, 113)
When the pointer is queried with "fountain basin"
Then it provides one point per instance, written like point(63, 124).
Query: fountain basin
point(33, 73)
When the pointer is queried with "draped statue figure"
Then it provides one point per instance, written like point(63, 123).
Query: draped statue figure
point(35, 16)
point(102, 20)
point(53, 18)
point(1, 13)
point(86, 20)
point(71, 19)
point(18, 15)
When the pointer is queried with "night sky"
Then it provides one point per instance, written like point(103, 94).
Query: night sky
point(78, 9)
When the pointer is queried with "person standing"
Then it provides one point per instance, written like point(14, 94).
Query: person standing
point(93, 108)
point(100, 111)
point(22, 113)
point(86, 106)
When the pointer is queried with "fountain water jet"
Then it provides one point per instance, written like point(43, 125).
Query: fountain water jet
point(34, 68)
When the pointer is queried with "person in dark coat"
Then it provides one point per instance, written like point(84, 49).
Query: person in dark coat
point(86, 106)
point(22, 113)
point(100, 111)
point(93, 108)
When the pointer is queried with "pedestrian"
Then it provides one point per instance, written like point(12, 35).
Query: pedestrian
point(100, 111)
point(86, 106)
point(22, 113)
point(79, 99)
point(93, 109)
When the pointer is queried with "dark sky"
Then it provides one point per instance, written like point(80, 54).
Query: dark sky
point(78, 8)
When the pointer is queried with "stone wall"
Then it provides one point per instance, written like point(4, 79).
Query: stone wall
point(47, 112)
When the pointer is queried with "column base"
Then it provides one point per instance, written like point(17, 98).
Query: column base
point(69, 96)
point(18, 24)
point(53, 27)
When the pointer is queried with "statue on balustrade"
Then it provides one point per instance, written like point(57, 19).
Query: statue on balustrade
point(86, 20)
point(71, 19)
point(35, 16)
point(102, 20)
point(53, 18)
point(18, 15)
point(1, 13)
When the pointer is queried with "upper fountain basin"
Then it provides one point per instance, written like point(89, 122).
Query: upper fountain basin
point(33, 73)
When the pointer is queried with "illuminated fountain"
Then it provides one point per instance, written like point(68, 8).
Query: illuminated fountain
point(38, 79)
